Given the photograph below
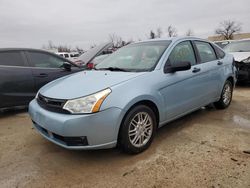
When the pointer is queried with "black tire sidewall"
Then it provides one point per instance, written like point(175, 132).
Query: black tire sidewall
point(220, 104)
point(124, 137)
point(231, 87)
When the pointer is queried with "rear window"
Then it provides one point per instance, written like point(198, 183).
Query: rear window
point(11, 59)
point(206, 51)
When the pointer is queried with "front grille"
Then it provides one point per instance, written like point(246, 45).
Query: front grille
point(65, 140)
point(53, 105)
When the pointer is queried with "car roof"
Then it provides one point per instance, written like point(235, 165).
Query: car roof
point(173, 39)
point(33, 49)
point(23, 49)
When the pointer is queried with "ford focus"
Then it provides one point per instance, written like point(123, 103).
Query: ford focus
point(132, 92)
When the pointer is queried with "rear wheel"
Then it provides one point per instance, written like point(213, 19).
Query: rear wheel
point(226, 96)
point(138, 129)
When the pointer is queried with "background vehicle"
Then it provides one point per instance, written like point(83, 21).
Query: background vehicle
point(24, 71)
point(88, 56)
point(223, 43)
point(72, 56)
point(134, 91)
point(96, 61)
point(241, 51)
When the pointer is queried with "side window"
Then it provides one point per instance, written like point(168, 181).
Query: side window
point(66, 55)
point(219, 52)
point(182, 52)
point(44, 60)
point(206, 51)
point(11, 58)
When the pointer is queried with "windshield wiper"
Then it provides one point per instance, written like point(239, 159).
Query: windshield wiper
point(113, 69)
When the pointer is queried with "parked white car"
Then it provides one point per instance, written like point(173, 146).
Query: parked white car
point(72, 56)
point(223, 43)
point(241, 51)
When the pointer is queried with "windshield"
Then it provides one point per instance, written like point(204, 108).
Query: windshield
point(239, 46)
point(135, 57)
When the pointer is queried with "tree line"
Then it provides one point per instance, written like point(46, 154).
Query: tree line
point(226, 30)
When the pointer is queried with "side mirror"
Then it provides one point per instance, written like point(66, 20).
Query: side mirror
point(67, 66)
point(178, 66)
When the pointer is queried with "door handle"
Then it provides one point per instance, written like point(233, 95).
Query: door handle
point(219, 63)
point(42, 75)
point(196, 70)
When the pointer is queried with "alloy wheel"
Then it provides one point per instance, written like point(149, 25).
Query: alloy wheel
point(140, 129)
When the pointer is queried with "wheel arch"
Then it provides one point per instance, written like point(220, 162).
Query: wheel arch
point(231, 79)
point(147, 102)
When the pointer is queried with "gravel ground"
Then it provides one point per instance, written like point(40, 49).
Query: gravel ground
point(203, 149)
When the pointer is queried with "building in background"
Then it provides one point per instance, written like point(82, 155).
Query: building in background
point(236, 37)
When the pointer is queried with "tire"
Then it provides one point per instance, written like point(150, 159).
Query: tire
point(141, 122)
point(226, 96)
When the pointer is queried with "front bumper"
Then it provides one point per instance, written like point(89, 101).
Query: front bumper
point(243, 75)
point(97, 131)
point(243, 71)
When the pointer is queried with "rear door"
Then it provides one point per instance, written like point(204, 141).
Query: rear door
point(46, 67)
point(16, 81)
point(210, 69)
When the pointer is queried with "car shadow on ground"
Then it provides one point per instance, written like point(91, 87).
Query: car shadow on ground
point(12, 112)
point(243, 85)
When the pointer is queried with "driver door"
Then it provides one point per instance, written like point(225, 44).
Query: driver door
point(184, 88)
point(45, 67)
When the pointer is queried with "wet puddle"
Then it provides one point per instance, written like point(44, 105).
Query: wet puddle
point(241, 121)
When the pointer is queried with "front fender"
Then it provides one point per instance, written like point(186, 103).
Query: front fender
point(126, 94)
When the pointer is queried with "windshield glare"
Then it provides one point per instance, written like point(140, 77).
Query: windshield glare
point(136, 57)
point(239, 46)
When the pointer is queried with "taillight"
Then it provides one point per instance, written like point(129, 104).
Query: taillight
point(90, 65)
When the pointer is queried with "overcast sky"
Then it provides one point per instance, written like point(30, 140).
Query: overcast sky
point(32, 23)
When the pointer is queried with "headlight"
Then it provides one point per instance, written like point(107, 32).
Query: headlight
point(87, 104)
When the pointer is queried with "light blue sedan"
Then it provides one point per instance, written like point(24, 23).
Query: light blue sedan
point(134, 91)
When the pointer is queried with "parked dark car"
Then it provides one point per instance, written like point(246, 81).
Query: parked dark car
point(24, 71)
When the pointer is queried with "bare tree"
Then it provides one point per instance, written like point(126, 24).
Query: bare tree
point(159, 32)
point(50, 45)
point(172, 31)
point(227, 29)
point(129, 41)
point(79, 50)
point(189, 32)
point(92, 46)
point(63, 48)
point(152, 35)
point(116, 40)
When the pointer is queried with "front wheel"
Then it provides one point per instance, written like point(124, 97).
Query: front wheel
point(226, 96)
point(138, 129)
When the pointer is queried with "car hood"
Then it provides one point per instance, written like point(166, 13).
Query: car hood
point(85, 83)
point(240, 56)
